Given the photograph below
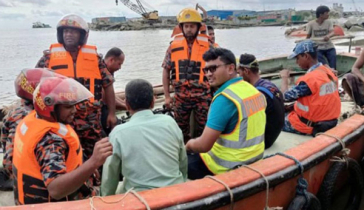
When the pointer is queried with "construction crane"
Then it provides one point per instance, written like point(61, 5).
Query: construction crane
point(140, 9)
point(356, 9)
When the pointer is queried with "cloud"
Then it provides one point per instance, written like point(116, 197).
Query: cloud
point(13, 16)
point(5, 3)
point(43, 13)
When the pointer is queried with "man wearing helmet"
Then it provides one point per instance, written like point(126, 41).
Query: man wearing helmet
point(25, 83)
point(182, 66)
point(48, 159)
point(71, 57)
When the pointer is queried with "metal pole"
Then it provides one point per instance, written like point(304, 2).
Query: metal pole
point(350, 44)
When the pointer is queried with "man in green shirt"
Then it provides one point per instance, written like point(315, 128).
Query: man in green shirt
point(148, 150)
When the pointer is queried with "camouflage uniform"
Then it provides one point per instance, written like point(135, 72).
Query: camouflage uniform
point(51, 153)
point(10, 122)
point(87, 123)
point(187, 98)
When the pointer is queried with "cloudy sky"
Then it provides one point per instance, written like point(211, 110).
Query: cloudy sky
point(22, 13)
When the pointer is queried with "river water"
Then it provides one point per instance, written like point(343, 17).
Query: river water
point(144, 50)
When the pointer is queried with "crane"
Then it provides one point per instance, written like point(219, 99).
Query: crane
point(140, 9)
point(356, 9)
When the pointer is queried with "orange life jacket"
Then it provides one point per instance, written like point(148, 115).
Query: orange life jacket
point(26, 169)
point(188, 67)
point(322, 105)
point(86, 70)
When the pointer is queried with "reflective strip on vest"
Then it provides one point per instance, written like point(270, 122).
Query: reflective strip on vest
point(205, 39)
point(302, 107)
point(58, 49)
point(243, 142)
point(179, 38)
point(327, 88)
point(62, 129)
point(231, 164)
point(88, 50)
point(23, 129)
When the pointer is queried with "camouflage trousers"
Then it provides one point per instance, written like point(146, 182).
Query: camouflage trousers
point(87, 124)
point(186, 101)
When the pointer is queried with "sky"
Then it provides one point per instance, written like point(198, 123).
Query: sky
point(22, 13)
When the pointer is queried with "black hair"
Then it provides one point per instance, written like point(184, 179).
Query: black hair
point(246, 59)
point(321, 10)
point(210, 28)
point(114, 52)
point(313, 55)
point(139, 94)
point(225, 55)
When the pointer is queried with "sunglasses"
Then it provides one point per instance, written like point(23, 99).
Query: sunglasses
point(212, 68)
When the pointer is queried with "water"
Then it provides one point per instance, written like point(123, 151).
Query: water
point(145, 50)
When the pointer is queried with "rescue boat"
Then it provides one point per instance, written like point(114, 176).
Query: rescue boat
point(324, 169)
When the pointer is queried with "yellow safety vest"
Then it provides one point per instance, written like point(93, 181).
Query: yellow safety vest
point(245, 144)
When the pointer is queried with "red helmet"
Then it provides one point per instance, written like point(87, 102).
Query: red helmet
point(76, 22)
point(28, 79)
point(54, 90)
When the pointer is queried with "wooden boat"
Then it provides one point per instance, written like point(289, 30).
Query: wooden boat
point(244, 188)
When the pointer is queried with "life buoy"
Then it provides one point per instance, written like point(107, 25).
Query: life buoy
point(355, 181)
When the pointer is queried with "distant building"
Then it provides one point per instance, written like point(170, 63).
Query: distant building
point(230, 14)
point(338, 8)
point(108, 20)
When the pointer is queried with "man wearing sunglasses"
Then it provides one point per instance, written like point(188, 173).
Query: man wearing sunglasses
point(249, 70)
point(234, 132)
point(183, 69)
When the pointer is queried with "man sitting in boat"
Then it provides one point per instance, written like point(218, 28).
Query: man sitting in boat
point(317, 105)
point(322, 27)
point(353, 83)
point(182, 67)
point(72, 57)
point(113, 60)
point(149, 150)
point(48, 163)
point(25, 83)
point(234, 132)
point(248, 68)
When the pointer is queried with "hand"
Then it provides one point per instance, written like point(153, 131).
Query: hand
point(326, 38)
point(189, 147)
point(168, 102)
point(102, 150)
point(285, 73)
point(111, 121)
point(333, 70)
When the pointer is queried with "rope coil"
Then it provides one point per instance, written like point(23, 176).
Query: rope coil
point(131, 190)
point(344, 151)
point(227, 188)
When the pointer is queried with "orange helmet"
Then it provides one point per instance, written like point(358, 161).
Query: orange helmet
point(76, 22)
point(54, 90)
point(28, 79)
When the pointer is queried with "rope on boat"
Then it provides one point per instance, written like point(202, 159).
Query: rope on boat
point(227, 188)
point(298, 163)
point(302, 184)
point(267, 192)
point(122, 198)
point(344, 152)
